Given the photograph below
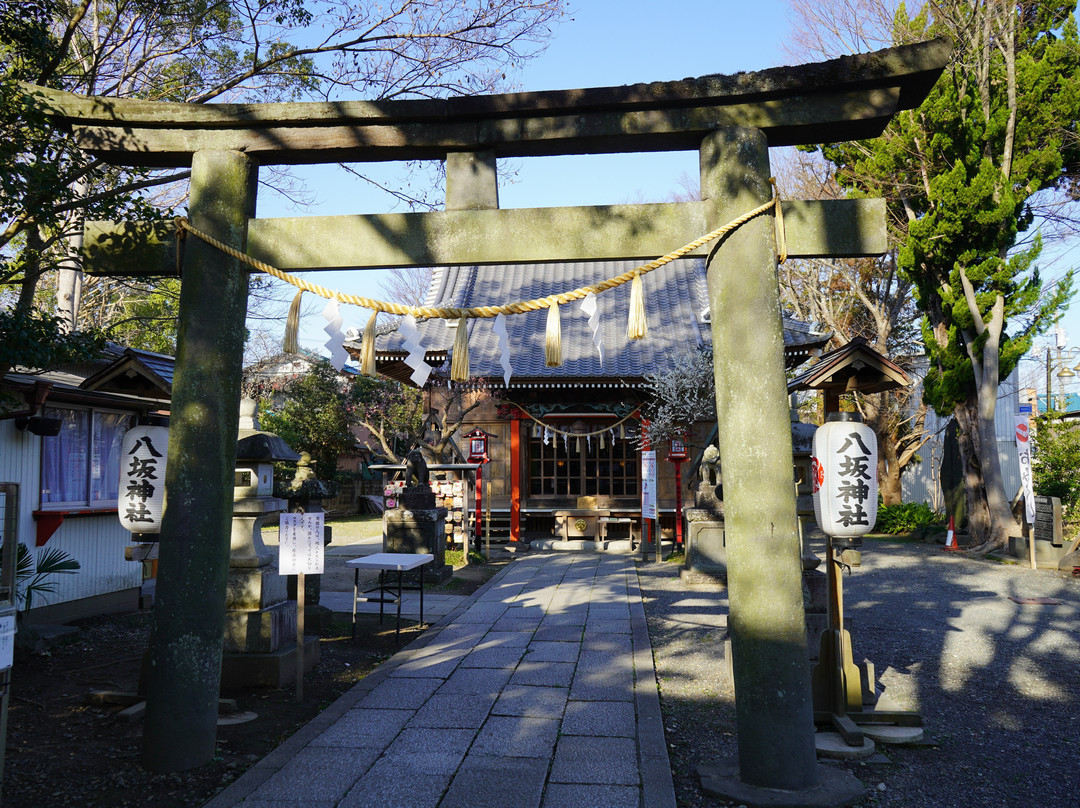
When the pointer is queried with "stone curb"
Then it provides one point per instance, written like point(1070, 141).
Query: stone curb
point(658, 785)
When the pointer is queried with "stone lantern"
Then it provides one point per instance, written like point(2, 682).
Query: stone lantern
point(260, 623)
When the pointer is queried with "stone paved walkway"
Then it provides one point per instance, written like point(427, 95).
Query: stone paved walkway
point(538, 691)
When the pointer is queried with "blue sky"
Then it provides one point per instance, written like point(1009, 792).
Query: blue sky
point(602, 43)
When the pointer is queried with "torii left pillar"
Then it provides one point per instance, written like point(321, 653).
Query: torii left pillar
point(184, 672)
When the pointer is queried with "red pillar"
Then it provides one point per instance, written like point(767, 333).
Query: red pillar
point(678, 502)
point(515, 476)
point(479, 507)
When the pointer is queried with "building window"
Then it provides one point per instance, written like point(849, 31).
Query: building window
point(558, 469)
point(80, 467)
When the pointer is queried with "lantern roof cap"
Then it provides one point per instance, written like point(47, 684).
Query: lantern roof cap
point(254, 444)
point(852, 367)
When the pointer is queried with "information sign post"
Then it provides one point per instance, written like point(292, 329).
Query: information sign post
point(301, 552)
point(648, 500)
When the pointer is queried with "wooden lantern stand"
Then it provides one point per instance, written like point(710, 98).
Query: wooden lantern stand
point(844, 692)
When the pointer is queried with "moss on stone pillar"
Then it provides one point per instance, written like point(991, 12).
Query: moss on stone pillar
point(773, 706)
point(189, 613)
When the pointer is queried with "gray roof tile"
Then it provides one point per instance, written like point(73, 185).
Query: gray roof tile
point(676, 304)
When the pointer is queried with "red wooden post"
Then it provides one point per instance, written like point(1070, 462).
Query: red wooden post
point(515, 476)
point(476, 515)
point(677, 455)
point(678, 503)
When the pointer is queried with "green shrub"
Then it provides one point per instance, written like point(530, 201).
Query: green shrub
point(1055, 464)
point(905, 517)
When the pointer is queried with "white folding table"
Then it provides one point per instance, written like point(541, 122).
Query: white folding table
point(386, 563)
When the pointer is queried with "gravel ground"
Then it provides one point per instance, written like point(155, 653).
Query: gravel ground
point(996, 681)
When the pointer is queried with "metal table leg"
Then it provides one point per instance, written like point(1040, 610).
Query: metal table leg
point(355, 595)
point(397, 628)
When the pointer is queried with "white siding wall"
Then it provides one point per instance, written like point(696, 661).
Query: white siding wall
point(96, 542)
point(921, 481)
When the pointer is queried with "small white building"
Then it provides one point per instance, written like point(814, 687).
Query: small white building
point(921, 482)
point(61, 445)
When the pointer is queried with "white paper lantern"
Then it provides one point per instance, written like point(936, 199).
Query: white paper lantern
point(844, 470)
point(142, 478)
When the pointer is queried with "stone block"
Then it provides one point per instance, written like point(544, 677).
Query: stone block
point(263, 631)
point(1045, 552)
point(705, 548)
point(815, 591)
point(274, 669)
point(419, 531)
point(253, 588)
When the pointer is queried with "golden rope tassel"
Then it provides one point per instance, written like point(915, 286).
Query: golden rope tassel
point(292, 326)
point(367, 347)
point(781, 231)
point(637, 326)
point(577, 445)
point(459, 367)
point(553, 337)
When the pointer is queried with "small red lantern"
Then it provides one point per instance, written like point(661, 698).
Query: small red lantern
point(478, 441)
point(677, 454)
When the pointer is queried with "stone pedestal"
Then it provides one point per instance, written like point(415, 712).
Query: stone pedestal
point(260, 623)
point(1069, 562)
point(418, 531)
point(1047, 555)
point(706, 552)
point(816, 606)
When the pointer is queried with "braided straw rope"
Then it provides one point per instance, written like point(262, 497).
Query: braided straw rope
point(567, 434)
point(432, 312)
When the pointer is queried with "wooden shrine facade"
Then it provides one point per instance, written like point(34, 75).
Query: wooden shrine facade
point(567, 437)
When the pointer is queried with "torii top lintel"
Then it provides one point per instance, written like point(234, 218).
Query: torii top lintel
point(849, 98)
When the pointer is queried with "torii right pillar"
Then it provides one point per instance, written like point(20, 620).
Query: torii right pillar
point(773, 708)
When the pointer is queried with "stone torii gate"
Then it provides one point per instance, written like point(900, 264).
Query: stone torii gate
point(731, 120)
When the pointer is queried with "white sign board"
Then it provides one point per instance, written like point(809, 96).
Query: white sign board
point(7, 641)
point(1023, 451)
point(648, 485)
point(301, 543)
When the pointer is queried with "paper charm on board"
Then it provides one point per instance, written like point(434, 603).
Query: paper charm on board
point(415, 359)
point(336, 344)
point(499, 327)
point(589, 308)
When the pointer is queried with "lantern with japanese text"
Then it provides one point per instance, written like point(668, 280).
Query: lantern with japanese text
point(844, 469)
point(141, 499)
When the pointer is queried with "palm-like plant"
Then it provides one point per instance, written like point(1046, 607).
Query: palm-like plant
point(30, 573)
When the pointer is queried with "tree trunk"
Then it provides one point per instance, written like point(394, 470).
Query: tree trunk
point(990, 520)
point(967, 440)
point(888, 472)
point(69, 282)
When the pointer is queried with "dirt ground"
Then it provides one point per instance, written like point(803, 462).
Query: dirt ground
point(63, 751)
